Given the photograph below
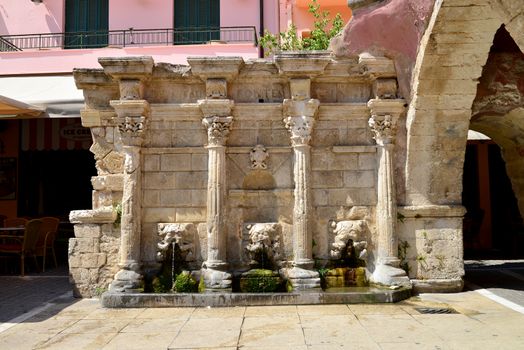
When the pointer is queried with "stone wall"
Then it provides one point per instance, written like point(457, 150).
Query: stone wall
point(174, 161)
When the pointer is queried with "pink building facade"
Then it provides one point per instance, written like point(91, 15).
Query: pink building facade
point(42, 41)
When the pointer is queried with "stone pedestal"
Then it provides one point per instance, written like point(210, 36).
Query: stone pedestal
point(299, 119)
point(218, 123)
point(384, 116)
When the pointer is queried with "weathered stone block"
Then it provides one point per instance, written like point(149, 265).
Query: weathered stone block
point(327, 179)
point(365, 178)
point(175, 198)
point(87, 231)
point(367, 161)
point(151, 162)
point(159, 181)
point(198, 162)
point(151, 198)
point(158, 215)
point(320, 197)
point(175, 162)
point(190, 214)
point(191, 180)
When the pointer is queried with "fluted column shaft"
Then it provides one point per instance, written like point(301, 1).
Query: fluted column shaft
point(131, 130)
point(299, 122)
point(386, 205)
point(130, 227)
point(216, 188)
point(302, 247)
point(383, 128)
point(217, 129)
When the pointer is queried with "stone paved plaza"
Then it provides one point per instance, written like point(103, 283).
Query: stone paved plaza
point(69, 323)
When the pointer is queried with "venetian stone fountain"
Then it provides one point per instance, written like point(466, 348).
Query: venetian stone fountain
point(284, 165)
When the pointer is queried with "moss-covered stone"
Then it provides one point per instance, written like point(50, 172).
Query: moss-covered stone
point(360, 277)
point(260, 281)
point(345, 277)
point(201, 285)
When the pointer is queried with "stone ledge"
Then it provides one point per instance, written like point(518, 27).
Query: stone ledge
point(432, 211)
point(354, 149)
point(438, 285)
point(371, 295)
point(104, 215)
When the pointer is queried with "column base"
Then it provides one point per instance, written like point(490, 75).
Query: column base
point(390, 276)
point(216, 280)
point(127, 281)
point(302, 279)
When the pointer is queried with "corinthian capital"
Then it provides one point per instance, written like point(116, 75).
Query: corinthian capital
point(299, 120)
point(383, 128)
point(300, 128)
point(217, 129)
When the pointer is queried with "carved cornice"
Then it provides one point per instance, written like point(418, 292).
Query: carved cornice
point(383, 128)
point(218, 129)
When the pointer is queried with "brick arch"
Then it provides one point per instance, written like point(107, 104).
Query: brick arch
point(452, 53)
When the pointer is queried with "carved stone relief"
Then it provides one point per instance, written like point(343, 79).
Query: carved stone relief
point(258, 157)
point(182, 234)
point(260, 237)
point(348, 232)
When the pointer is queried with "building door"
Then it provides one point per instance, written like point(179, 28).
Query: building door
point(86, 23)
point(196, 21)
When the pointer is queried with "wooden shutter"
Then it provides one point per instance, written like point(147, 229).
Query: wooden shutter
point(196, 21)
point(89, 17)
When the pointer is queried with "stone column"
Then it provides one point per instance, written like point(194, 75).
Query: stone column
point(218, 123)
point(131, 124)
point(299, 112)
point(383, 126)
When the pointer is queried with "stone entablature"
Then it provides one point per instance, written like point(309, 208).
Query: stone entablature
point(223, 143)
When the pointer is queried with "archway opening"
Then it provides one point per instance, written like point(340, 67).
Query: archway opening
point(493, 188)
point(493, 226)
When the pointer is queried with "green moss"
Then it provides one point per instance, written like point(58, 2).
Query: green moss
point(260, 281)
point(360, 277)
point(185, 283)
point(201, 285)
point(161, 284)
point(289, 286)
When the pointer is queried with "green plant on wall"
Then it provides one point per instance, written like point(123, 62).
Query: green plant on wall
point(402, 255)
point(422, 259)
point(323, 31)
point(118, 209)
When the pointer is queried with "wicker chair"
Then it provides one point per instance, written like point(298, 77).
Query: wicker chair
point(22, 245)
point(46, 239)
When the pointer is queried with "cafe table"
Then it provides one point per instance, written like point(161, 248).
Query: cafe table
point(15, 230)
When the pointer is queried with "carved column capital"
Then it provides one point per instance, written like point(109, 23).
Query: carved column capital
point(300, 128)
point(218, 129)
point(384, 128)
point(131, 121)
point(299, 120)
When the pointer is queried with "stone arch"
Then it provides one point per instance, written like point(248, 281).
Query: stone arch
point(450, 61)
point(452, 53)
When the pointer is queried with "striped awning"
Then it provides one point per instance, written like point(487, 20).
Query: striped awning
point(54, 134)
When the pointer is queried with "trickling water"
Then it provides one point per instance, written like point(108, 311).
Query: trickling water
point(173, 263)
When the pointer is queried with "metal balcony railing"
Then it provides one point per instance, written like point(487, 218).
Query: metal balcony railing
point(128, 37)
point(7, 46)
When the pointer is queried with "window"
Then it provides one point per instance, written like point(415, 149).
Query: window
point(86, 23)
point(196, 21)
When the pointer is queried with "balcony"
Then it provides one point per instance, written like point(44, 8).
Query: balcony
point(129, 38)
